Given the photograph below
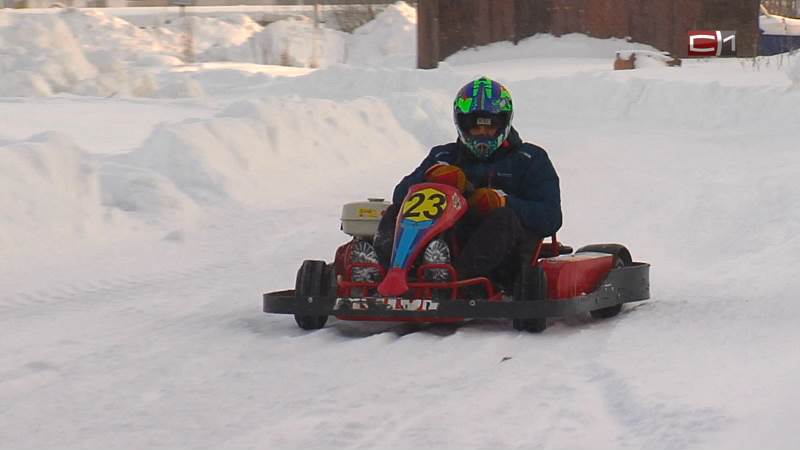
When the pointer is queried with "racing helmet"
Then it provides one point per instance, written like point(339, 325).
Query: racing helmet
point(487, 103)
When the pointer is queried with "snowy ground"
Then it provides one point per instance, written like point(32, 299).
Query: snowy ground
point(139, 233)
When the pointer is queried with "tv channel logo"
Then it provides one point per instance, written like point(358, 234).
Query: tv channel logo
point(709, 43)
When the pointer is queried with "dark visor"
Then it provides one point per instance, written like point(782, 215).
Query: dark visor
point(468, 121)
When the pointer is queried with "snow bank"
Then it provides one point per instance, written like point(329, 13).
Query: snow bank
point(84, 53)
point(252, 154)
point(209, 32)
point(50, 192)
point(674, 103)
point(793, 69)
point(322, 127)
point(51, 181)
point(54, 191)
point(422, 99)
point(91, 53)
point(255, 148)
point(39, 57)
point(388, 41)
point(237, 38)
point(295, 42)
point(547, 46)
point(313, 132)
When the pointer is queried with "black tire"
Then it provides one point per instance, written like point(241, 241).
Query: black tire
point(617, 250)
point(313, 278)
point(531, 284)
point(622, 258)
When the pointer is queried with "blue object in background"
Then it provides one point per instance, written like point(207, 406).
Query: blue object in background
point(776, 41)
point(771, 44)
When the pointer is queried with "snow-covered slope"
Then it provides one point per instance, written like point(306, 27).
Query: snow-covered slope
point(88, 52)
point(388, 41)
point(134, 259)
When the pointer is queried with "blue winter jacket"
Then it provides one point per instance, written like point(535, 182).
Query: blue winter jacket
point(521, 170)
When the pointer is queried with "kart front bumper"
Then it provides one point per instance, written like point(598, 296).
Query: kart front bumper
point(621, 285)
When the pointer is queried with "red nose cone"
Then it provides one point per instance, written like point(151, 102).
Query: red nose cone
point(393, 284)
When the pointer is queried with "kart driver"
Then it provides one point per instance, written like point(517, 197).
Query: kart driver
point(511, 186)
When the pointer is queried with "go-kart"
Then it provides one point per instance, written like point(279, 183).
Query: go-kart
point(420, 284)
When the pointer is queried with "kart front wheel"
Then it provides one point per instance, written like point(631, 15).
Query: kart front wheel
point(313, 279)
point(531, 285)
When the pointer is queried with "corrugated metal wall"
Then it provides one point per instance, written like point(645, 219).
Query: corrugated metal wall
point(447, 26)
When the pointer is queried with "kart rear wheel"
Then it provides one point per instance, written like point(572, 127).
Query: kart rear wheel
point(531, 285)
point(622, 258)
point(313, 278)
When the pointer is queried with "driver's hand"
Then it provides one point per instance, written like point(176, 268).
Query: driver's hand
point(484, 200)
point(444, 173)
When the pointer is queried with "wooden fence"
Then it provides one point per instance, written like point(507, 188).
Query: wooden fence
point(447, 26)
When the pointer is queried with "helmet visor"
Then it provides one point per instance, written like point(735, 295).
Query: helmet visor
point(478, 124)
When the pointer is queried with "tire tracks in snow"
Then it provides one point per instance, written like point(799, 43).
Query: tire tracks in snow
point(642, 420)
point(75, 328)
point(67, 297)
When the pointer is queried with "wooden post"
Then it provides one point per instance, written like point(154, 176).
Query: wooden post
point(428, 34)
point(188, 40)
point(189, 37)
point(315, 39)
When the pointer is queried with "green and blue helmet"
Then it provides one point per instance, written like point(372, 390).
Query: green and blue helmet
point(483, 102)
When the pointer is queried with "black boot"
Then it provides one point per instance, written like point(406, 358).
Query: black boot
point(492, 243)
point(384, 237)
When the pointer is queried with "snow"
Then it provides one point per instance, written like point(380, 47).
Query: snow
point(388, 41)
point(138, 233)
point(125, 123)
point(572, 45)
point(793, 70)
point(229, 30)
point(50, 61)
point(646, 58)
point(292, 42)
point(158, 16)
point(778, 25)
point(92, 53)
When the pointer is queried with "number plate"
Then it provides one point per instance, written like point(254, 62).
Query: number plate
point(425, 204)
point(394, 304)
